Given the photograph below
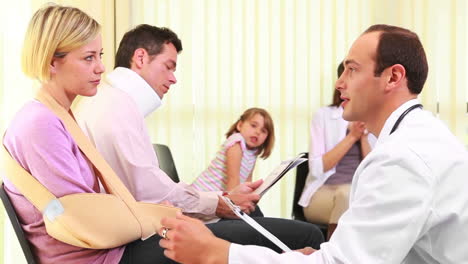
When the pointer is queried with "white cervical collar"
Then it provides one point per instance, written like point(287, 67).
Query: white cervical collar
point(136, 87)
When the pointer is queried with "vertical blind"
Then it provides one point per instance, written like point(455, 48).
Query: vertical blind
point(276, 54)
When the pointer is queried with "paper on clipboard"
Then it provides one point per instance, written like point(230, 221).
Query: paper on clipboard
point(279, 172)
point(254, 224)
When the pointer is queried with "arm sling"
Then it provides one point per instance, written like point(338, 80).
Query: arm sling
point(87, 220)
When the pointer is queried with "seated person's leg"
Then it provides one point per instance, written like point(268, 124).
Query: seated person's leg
point(295, 234)
point(341, 202)
point(257, 212)
point(340, 205)
point(145, 252)
point(320, 205)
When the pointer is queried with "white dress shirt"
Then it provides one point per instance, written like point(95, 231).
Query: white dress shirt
point(114, 121)
point(408, 202)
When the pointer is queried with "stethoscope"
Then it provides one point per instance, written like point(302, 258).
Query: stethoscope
point(403, 116)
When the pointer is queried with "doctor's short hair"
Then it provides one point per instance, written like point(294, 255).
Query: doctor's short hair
point(148, 37)
point(265, 149)
point(401, 46)
point(53, 31)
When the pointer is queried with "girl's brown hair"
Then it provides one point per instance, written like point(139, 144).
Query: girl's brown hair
point(265, 149)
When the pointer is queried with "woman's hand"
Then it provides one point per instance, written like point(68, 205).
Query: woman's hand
point(356, 129)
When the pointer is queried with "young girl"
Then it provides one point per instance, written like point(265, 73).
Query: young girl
point(251, 136)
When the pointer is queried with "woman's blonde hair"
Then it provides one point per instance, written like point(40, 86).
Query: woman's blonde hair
point(265, 149)
point(54, 31)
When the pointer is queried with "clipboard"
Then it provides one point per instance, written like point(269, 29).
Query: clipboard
point(249, 220)
point(279, 172)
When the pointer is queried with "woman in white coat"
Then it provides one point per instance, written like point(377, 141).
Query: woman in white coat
point(336, 149)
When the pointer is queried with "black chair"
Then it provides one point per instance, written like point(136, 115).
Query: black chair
point(17, 226)
point(297, 212)
point(166, 162)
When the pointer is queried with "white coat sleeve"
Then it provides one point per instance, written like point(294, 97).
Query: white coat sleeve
point(391, 200)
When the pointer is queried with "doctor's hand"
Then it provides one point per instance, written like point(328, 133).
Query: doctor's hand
point(188, 240)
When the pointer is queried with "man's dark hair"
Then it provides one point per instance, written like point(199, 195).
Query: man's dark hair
point(148, 37)
point(336, 94)
point(401, 46)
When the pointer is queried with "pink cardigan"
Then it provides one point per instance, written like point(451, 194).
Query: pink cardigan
point(37, 139)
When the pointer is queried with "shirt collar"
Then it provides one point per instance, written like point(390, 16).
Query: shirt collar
point(391, 120)
point(136, 87)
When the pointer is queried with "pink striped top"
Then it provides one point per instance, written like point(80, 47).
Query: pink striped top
point(214, 178)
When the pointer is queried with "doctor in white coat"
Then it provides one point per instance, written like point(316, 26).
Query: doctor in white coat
point(408, 201)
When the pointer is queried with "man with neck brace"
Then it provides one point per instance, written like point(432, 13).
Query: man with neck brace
point(114, 121)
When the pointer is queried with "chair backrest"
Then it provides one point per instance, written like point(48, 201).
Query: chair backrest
point(301, 174)
point(17, 226)
point(166, 162)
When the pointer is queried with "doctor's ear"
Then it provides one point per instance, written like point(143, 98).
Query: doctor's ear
point(396, 74)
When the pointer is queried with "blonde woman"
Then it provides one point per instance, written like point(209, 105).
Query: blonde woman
point(62, 50)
